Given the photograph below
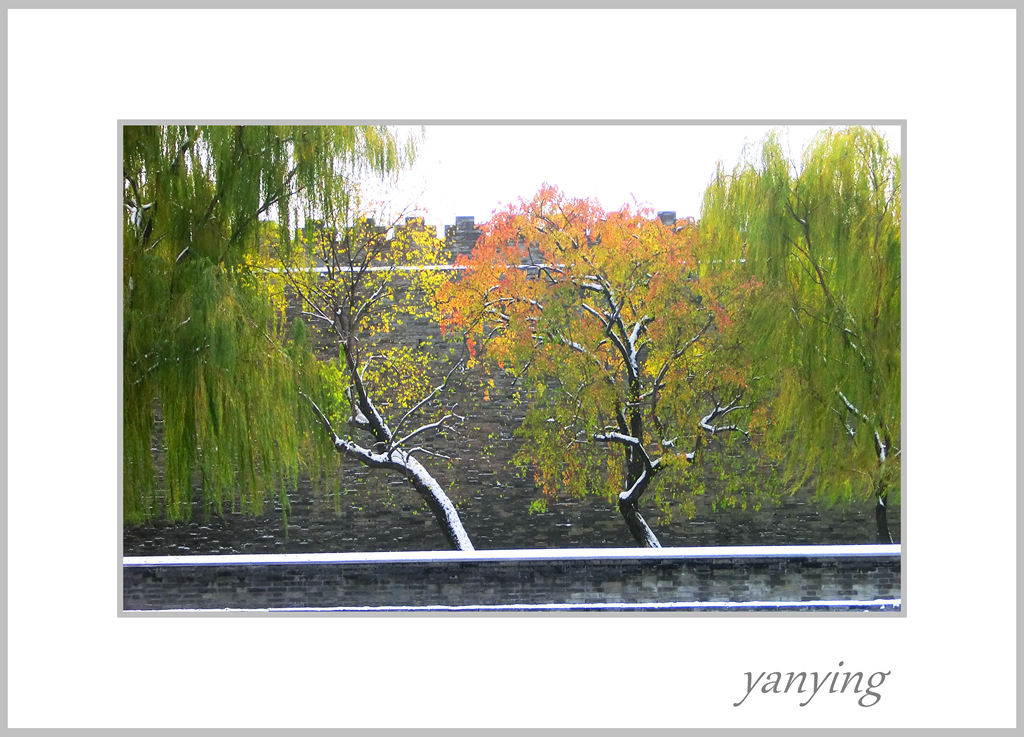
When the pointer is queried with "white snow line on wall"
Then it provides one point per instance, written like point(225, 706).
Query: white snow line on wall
point(596, 554)
point(893, 604)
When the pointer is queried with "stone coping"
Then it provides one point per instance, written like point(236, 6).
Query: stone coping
point(892, 605)
point(469, 556)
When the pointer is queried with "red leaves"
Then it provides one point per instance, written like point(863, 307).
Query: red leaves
point(563, 290)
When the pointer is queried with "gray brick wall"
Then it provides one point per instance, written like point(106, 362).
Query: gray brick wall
point(785, 575)
point(378, 512)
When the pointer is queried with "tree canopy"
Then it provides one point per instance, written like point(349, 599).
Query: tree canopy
point(619, 341)
point(203, 332)
point(822, 238)
point(380, 400)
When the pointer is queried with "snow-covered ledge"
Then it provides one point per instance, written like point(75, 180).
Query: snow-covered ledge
point(807, 577)
point(736, 551)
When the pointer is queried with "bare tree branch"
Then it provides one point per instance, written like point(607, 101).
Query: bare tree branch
point(433, 393)
point(426, 428)
point(323, 419)
point(635, 444)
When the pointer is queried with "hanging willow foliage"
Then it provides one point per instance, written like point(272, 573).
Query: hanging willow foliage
point(823, 240)
point(204, 337)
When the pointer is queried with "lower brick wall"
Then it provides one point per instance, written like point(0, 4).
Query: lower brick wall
point(846, 576)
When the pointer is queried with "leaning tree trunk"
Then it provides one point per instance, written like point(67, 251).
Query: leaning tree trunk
point(403, 462)
point(881, 491)
point(629, 507)
point(441, 506)
point(640, 470)
point(638, 527)
point(424, 484)
point(881, 516)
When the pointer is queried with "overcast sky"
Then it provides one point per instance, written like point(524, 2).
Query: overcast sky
point(476, 169)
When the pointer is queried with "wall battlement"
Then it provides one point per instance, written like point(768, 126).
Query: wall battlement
point(461, 237)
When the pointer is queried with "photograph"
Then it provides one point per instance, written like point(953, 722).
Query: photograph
point(349, 352)
point(542, 367)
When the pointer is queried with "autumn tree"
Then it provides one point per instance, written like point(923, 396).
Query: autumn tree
point(619, 341)
point(380, 400)
point(823, 238)
point(204, 343)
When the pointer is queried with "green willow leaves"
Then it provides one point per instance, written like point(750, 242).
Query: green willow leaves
point(823, 240)
point(204, 335)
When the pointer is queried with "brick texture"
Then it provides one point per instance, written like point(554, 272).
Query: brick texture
point(505, 582)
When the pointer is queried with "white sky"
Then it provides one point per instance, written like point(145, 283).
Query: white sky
point(476, 169)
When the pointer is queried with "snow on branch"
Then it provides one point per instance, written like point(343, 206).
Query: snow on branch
point(848, 337)
point(720, 411)
point(617, 437)
point(419, 449)
point(491, 307)
point(571, 344)
point(375, 422)
point(849, 429)
point(609, 322)
point(319, 316)
point(881, 447)
point(433, 393)
point(403, 461)
point(849, 406)
point(638, 328)
point(370, 301)
point(369, 360)
point(637, 488)
point(426, 428)
point(358, 418)
point(632, 442)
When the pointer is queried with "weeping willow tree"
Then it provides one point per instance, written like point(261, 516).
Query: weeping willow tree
point(823, 240)
point(205, 343)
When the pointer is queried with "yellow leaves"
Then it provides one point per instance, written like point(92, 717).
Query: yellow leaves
point(400, 376)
